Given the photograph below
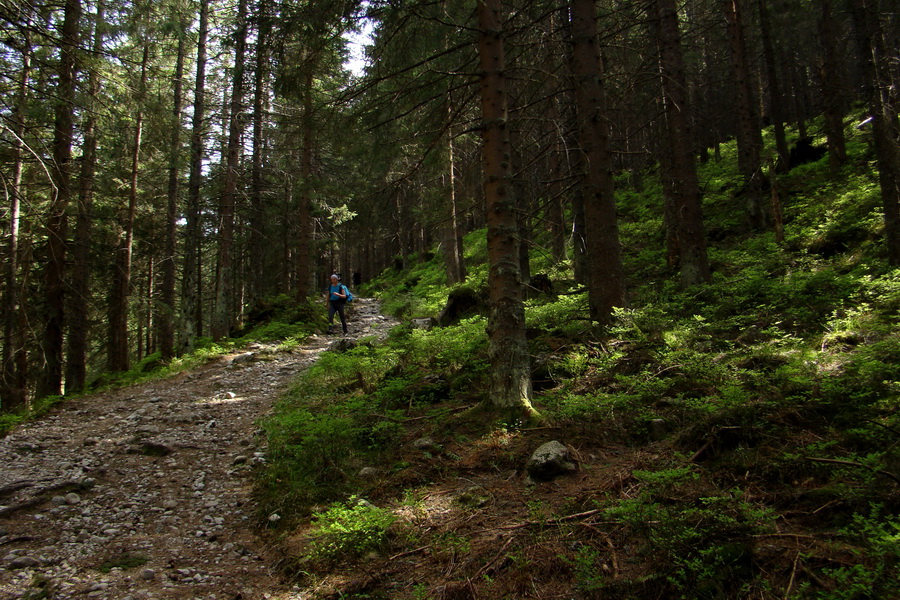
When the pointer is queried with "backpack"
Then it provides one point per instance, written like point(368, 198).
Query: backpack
point(349, 295)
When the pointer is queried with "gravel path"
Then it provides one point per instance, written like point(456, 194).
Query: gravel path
point(145, 492)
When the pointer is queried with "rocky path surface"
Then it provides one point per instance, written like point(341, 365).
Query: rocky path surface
point(144, 492)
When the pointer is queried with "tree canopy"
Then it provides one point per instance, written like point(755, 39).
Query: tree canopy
point(172, 167)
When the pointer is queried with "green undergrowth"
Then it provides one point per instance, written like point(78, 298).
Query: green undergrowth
point(348, 410)
point(37, 409)
point(769, 399)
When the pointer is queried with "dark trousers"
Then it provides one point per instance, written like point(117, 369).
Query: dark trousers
point(337, 306)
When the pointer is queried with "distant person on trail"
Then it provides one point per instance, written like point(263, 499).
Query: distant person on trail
point(357, 279)
point(337, 298)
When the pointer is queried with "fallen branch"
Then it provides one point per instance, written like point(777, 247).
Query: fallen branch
point(15, 487)
point(40, 496)
point(409, 552)
point(8, 510)
point(891, 429)
point(491, 562)
point(612, 548)
point(850, 463)
point(700, 452)
point(411, 419)
point(576, 516)
point(19, 538)
point(785, 535)
point(787, 593)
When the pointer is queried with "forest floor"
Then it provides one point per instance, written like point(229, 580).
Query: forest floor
point(146, 491)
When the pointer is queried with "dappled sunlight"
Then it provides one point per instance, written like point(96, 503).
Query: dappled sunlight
point(428, 508)
point(222, 399)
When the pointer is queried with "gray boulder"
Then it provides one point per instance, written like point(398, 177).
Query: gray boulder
point(550, 461)
point(423, 323)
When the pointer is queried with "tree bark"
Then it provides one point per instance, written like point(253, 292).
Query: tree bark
point(606, 279)
point(511, 379)
point(453, 243)
point(877, 79)
point(79, 302)
point(522, 207)
point(832, 89)
point(305, 275)
point(57, 221)
point(554, 216)
point(222, 314)
point(191, 322)
point(12, 391)
point(118, 351)
point(749, 137)
point(776, 100)
point(165, 309)
point(686, 204)
point(257, 276)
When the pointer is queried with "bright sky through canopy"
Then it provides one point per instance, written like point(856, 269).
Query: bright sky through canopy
point(356, 44)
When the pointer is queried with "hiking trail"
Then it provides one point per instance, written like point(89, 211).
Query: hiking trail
point(146, 491)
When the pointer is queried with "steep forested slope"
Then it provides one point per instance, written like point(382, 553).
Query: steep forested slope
point(732, 440)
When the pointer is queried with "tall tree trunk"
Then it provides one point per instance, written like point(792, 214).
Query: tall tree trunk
point(523, 206)
point(257, 278)
point(776, 100)
point(118, 351)
point(580, 257)
point(222, 314)
point(832, 89)
point(553, 212)
point(687, 212)
point(508, 348)
point(145, 313)
point(669, 194)
point(523, 216)
point(57, 222)
point(287, 231)
point(799, 97)
point(402, 225)
point(165, 309)
point(606, 280)
point(12, 391)
point(749, 137)
point(79, 301)
point(305, 273)
point(877, 78)
point(574, 166)
point(191, 324)
point(553, 127)
point(453, 242)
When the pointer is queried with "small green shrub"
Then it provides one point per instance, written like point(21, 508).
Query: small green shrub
point(877, 572)
point(8, 421)
point(588, 575)
point(566, 315)
point(349, 529)
point(703, 548)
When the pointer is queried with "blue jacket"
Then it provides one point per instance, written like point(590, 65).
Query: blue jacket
point(333, 290)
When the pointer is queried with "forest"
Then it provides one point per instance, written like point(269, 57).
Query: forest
point(665, 233)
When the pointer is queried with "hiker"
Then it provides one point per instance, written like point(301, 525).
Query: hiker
point(337, 298)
